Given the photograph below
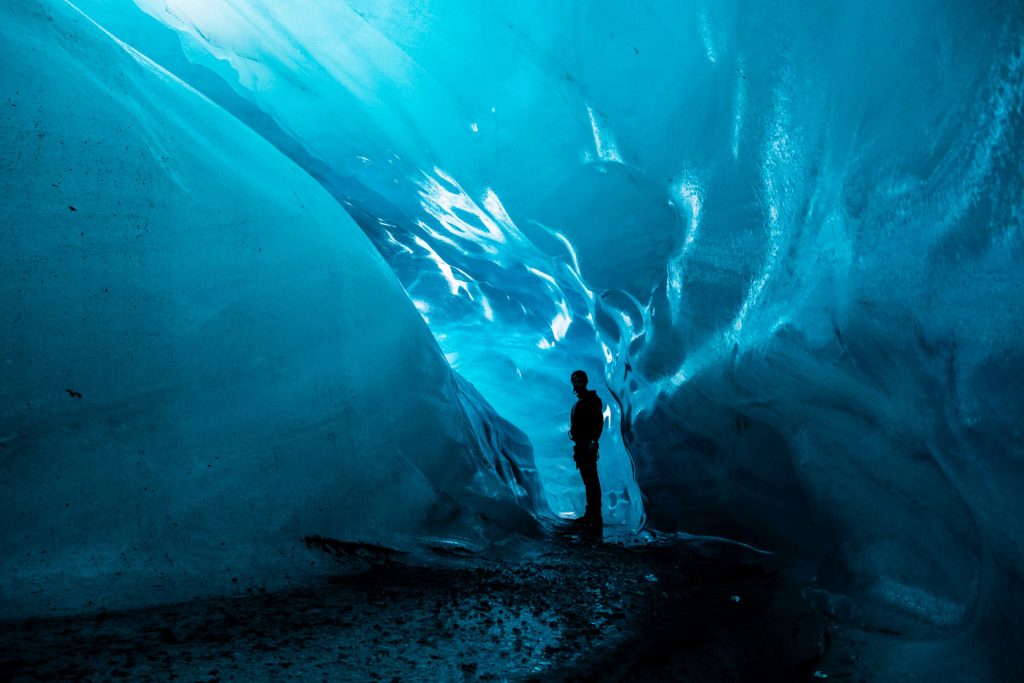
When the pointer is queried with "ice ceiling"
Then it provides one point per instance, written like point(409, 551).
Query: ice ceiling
point(786, 236)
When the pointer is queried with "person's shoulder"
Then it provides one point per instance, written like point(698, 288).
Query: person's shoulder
point(592, 395)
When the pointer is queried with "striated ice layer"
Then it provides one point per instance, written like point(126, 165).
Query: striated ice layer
point(203, 359)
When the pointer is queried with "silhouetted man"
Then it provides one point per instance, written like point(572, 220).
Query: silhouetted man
point(586, 424)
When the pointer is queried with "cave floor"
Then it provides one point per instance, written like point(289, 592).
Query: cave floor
point(580, 608)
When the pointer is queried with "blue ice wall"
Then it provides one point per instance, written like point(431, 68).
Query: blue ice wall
point(506, 301)
point(203, 358)
point(787, 234)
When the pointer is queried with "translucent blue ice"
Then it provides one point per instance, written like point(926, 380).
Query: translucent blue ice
point(784, 239)
point(203, 358)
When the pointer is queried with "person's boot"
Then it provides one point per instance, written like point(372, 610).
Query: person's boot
point(592, 518)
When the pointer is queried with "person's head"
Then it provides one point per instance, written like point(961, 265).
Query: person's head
point(579, 382)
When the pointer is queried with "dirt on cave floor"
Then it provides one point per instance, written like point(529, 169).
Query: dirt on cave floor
point(582, 607)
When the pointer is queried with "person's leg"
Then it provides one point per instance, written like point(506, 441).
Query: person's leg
point(588, 470)
point(579, 457)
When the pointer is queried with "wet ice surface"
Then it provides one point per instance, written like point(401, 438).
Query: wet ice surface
point(574, 607)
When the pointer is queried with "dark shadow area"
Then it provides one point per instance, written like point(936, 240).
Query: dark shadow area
point(576, 609)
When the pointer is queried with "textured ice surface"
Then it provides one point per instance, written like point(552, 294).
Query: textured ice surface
point(788, 232)
point(505, 300)
point(204, 359)
point(795, 229)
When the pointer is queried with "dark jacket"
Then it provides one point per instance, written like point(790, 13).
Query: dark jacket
point(587, 420)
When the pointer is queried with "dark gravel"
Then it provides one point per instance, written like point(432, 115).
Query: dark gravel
point(576, 609)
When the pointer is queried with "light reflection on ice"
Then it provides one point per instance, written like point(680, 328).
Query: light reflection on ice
point(689, 192)
point(447, 272)
point(561, 323)
point(705, 32)
point(542, 275)
point(604, 143)
point(778, 159)
point(445, 206)
point(739, 107)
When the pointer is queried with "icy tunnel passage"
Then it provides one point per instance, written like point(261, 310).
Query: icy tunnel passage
point(508, 300)
point(786, 236)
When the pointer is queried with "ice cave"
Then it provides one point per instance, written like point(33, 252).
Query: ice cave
point(290, 288)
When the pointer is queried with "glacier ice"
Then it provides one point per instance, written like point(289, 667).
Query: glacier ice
point(357, 125)
point(789, 233)
point(203, 359)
